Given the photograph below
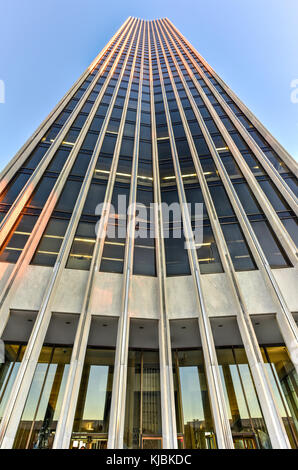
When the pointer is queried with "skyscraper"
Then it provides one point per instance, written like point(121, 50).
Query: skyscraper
point(149, 262)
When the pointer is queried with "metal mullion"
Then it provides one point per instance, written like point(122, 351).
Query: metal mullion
point(261, 156)
point(10, 218)
point(167, 385)
point(43, 317)
point(30, 144)
point(218, 404)
point(276, 146)
point(284, 316)
point(262, 199)
point(64, 427)
point(179, 393)
point(49, 206)
point(116, 428)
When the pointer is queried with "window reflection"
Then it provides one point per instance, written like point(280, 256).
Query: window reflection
point(8, 370)
point(283, 379)
point(143, 407)
point(193, 414)
point(42, 409)
point(90, 428)
point(245, 415)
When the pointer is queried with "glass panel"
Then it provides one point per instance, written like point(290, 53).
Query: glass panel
point(36, 157)
point(283, 379)
point(58, 160)
point(193, 414)
point(238, 248)
point(221, 201)
point(247, 200)
point(14, 188)
point(208, 255)
point(49, 246)
point(80, 255)
point(273, 251)
point(68, 196)
point(8, 370)
point(245, 415)
point(274, 196)
point(91, 422)
point(143, 427)
point(292, 227)
point(42, 409)
point(17, 239)
point(41, 193)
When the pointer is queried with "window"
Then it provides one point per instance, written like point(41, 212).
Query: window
point(94, 197)
point(81, 164)
point(14, 188)
point(145, 151)
point(96, 124)
point(41, 193)
point(58, 160)
point(108, 144)
point(201, 146)
point(221, 201)
point(207, 253)
point(276, 199)
point(13, 246)
point(193, 413)
point(90, 141)
point(71, 137)
point(50, 244)
point(209, 169)
point(80, 255)
point(231, 166)
point(238, 248)
point(247, 199)
point(272, 249)
point(36, 157)
point(68, 196)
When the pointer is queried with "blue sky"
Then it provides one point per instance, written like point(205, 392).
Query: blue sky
point(45, 46)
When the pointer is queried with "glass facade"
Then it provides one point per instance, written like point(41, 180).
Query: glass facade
point(91, 422)
point(39, 419)
point(195, 429)
point(143, 427)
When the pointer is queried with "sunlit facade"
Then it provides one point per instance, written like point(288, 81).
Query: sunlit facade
point(116, 341)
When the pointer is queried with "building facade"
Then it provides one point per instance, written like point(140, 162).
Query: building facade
point(155, 341)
